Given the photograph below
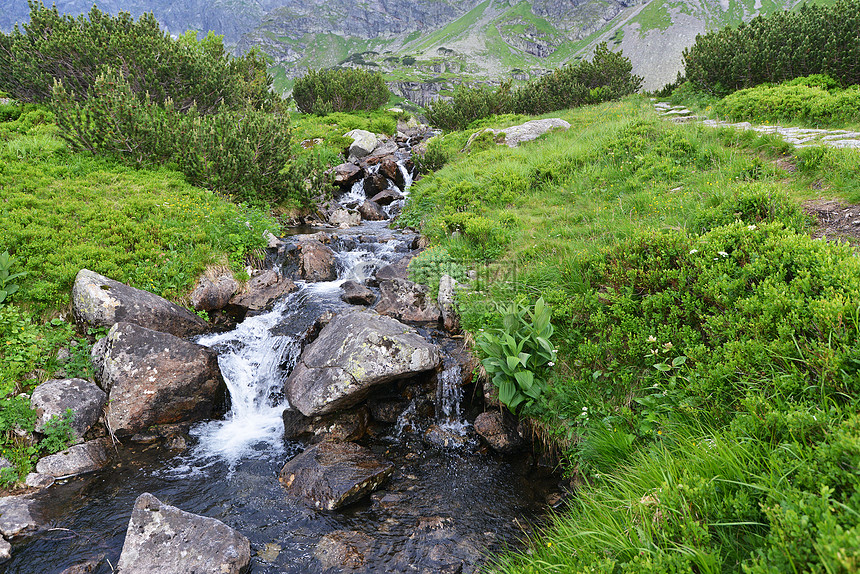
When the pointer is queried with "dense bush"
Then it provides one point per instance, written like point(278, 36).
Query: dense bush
point(239, 152)
point(813, 40)
point(75, 51)
point(339, 90)
point(607, 77)
point(814, 100)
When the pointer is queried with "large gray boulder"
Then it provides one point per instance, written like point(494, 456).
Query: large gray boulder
point(372, 211)
point(213, 292)
point(363, 143)
point(334, 474)
point(78, 459)
point(103, 302)
point(515, 135)
point(355, 352)
point(55, 396)
point(260, 292)
point(344, 218)
point(407, 301)
point(154, 378)
point(162, 538)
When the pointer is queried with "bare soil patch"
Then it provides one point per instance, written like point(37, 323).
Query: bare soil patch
point(834, 220)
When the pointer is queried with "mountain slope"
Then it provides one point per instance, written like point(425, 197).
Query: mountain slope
point(437, 43)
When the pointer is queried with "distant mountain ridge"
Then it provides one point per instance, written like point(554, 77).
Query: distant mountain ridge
point(442, 42)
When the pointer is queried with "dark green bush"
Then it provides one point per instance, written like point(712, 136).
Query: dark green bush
point(75, 51)
point(339, 90)
point(607, 77)
point(785, 45)
point(241, 152)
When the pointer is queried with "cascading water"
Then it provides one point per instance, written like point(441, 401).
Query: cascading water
point(439, 509)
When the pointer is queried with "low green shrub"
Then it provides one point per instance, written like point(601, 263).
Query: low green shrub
point(814, 100)
point(469, 104)
point(322, 92)
point(751, 204)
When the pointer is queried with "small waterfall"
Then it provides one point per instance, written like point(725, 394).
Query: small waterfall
point(449, 397)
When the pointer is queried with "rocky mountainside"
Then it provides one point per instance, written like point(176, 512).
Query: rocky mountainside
point(426, 46)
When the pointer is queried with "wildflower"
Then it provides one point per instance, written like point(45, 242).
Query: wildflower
point(651, 339)
point(751, 227)
point(668, 346)
point(655, 352)
point(551, 364)
point(693, 251)
point(722, 254)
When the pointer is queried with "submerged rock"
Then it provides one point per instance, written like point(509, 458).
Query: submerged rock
point(103, 302)
point(344, 426)
point(499, 431)
point(85, 567)
point(16, 515)
point(55, 396)
point(154, 378)
point(78, 459)
point(163, 538)
point(331, 475)
point(355, 352)
point(343, 549)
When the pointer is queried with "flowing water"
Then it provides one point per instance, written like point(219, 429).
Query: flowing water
point(442, 510)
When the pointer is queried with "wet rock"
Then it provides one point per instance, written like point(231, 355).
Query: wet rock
point(386, 197)
point(363, 142)
point(387, 410)
point(391, 170)
point(407, 301)
point(154, 378)
point(260, 292)
point(397, 270)
point(499, 431)
point(382, 152)
point(55, 396)
point(331, 475)
point(450, 320)
point(515, 135)
point(102, 302)
point(78, 459)
point(371, 211)
point(343, 549)
point(344, 218)
point(355, 293)
point(162, 538)
point(345, 426)
point(85, 567)
point(355, 352)
point(375, 183)
point(5, 550)
point(16, 515)
point(346, 174)
point(316, 262)
point(36, 480)
point(214, 293)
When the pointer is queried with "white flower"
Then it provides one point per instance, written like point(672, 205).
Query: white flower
point(651, 339)
point(693, 251)
point(722, 254)
point(751, 227)
point(551, 364)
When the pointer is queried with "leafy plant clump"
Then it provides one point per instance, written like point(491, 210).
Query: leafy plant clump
point(7, 285)
point(519, 354)
point(339, 90)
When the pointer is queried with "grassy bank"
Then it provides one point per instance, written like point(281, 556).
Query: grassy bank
point(705, 385)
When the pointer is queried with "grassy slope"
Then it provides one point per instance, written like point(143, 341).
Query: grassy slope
point(689, 471)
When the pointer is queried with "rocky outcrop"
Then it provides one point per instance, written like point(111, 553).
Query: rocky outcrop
point(499, 431)
point(355, 293)
point(163, 538)
point(343, 426)
point(317, 262)
point(55, 396)
point(213, 293)
point(374, 184)
point(78, 459)
point(344, 218)
point(260, 292)
point(346, 174)
point(331, 475)
point(515, 135)
point(103, 302)
point(154, 378)
point(386, 197)
point(355, 352)
point(407, 301)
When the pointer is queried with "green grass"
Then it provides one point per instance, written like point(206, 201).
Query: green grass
point(705, 388)
point(453, 30)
